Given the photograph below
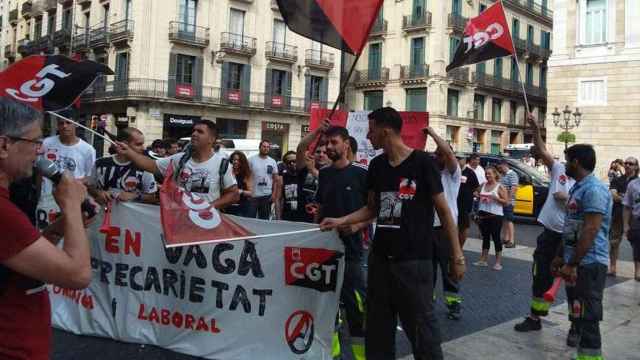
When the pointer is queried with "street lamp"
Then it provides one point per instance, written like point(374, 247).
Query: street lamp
point(564, 123)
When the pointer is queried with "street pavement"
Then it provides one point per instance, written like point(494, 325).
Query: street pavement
point(493, 302)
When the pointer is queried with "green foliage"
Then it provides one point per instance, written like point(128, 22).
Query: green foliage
point(566, 137)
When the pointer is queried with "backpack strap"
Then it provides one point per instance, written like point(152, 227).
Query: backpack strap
point(224, 166)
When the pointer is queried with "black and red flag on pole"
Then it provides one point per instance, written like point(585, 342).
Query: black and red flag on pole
point(49, 83)
point(342, 24)
point(485, 37)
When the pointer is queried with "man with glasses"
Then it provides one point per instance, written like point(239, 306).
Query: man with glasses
point(618, 187)
point(70, 153)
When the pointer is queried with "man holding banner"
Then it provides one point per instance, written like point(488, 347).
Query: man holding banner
point(403, 189)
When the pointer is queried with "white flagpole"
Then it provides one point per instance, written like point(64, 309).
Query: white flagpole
point(82, 126)
point(242, 238)
point(515, 56)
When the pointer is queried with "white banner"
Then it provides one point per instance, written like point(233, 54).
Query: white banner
point(358, 127)
point(269, 298)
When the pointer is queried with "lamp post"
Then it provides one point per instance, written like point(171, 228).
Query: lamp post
point(565, 123)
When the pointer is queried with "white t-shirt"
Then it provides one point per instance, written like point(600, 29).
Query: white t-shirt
point(262, 171)
point(451, 185)
point(553, 211)
point(78, 159)
point(479, 174)
point(202, 178)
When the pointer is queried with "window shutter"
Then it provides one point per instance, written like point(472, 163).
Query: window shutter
point(307, 92)
point(197, 78)
point(173, 69)
point(288, 79)
point(268, 81)
point(324, 91)
point(246, 84)
point(224, 81)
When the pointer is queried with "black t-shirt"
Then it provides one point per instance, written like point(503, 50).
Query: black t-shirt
point(468, 184)
point(299, 189)
point(341, 192)
point(620, 185)
point(109, 175)
point(404, 195)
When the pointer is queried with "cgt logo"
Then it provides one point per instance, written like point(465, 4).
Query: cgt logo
point(34, 89)
point(480, 38)
point(311, 268)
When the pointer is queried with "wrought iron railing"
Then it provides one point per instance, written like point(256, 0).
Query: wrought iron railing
point(188, 33)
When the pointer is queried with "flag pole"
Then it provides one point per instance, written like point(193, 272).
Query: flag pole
point(82, 126)
point(343, 87)
point(515, 56)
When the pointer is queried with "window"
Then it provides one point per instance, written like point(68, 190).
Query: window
point(187, 15)
point(513, 113)
point(543, 77)
point(497, 68)
point(236, 26)
point(481, 68)
point(515, 26)
point(496, 110)
point(515, 73)
point(417, 51)
point(372, 100)
point(232, 128)
point(452, 102)
point(38, 29)
point(418, 9)
point(452, 135)
point(316, 87)
point(529, 35)
point(482, 8)
point(234, 81)
point(454, 42)
point(632, 27)
point(456, 7)
point(128, 12)
point(478, 107)
point(185, 69)
point(592, 92)
point(593, 21)
point(122, 66)
point(545, 39)
point(279, 31)
point(105, 15)
point(66, 19)
point(375, 60)
point(416, 99)
point(279, 83)
point(87, 24)
point(496, 142)
point(529, 79)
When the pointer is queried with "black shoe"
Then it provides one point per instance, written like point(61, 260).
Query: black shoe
point(528, 324)
point(573, 338)
point(454, 311)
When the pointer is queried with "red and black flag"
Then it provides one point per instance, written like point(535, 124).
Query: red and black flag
point(342, 24)
point(485, 37)
point(49, 83)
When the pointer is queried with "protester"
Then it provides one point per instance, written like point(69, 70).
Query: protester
point(549, 242)
point(618, 188)
point(493, 197)
point(474, 163)
point(116, 178)
point(171, 147)
point(541, 167)
point(353, 147)
point(69, 152)
point(631, 218)
point(404, 186)
point(158, 149)
point(265, 180)
point(510, 182)
point(450, 176)
point(468, 186)
point(29, 259)
point(527, 159)
point(242, 173)
point(293, 180)
point(586, 250)
point(616, 169)
point(342, 190)
point(198, 170)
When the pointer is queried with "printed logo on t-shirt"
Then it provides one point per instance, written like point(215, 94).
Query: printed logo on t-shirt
point(463, 179)
point(51, 154)
point(562, 179)
point(390, 209)
point(130, 183)
point(406, 189)
point(291, 196)
point(63, 162)
point(195, 180)
point(269, 169)
point(572, 207)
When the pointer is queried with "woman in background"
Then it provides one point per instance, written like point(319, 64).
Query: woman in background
point(242, 172)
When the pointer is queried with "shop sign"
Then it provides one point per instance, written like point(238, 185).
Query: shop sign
point(173, 120)
point(233, 96)
point(277, 101)
point(274, 126)
point(184, 90)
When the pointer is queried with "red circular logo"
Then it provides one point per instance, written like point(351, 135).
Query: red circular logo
point(299, 331)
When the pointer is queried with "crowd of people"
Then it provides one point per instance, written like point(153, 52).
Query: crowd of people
point(412, 207)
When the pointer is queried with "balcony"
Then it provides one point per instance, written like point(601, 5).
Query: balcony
point(508, 87)
point(13, 17)
point(25, 47)
point(379, 28)
point(530, 50)
point(44, 44)
point(416, 22)
point(83, 2)
point(152, 89)
point(414, 74)
point(121, 32)
point(280, 52)
point(457, 23)
point(531, 8)
point(238, 44)
point(26, 11)
point(377, 77)
point(81, 42)
point(188, 34)
point(99, 37)
point(50, 5)
point(9, 52)
point(459, 75)
point(62, 38)
point(318, 59)
point(65, 2)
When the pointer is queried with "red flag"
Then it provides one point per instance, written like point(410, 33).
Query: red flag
point(485, 37)
point(342, 24)
point(189, 219)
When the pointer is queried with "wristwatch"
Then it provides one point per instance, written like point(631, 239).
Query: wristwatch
point(459, 260)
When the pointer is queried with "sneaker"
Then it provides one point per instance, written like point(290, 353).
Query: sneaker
point(454, 311)
point(528, 324)
point(510, 245)
point(573, 338)
point(497, 267)
point(481, 263)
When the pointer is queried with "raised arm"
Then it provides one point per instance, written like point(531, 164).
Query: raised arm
point(140, 160)
point(541, 146)
point(450, 160)
point(307, 140)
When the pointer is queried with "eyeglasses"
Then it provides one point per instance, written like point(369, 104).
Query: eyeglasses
point(37, 142)
point(628, 163)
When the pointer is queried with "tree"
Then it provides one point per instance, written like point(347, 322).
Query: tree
point(566, 137)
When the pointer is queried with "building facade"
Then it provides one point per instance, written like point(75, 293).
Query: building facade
point(178, 61)
point(479, 107)
point(595, 67)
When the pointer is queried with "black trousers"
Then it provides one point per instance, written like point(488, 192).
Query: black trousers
point(354, 297)
point(585, 307)
point(441, 258)
point(634, 239)
point(546, 249)
point(490, 227)
point(260, 207)
point(401, 289)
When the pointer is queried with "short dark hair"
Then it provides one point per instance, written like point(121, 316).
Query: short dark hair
point(171, 141)
point(474, 156)
point(584, 154)
point(290, 152)
point(353, 143)
point(126, 133)
point(387, 117)
point(156, 143)
point(337, 131)
point(264, 141)
point(213, 129)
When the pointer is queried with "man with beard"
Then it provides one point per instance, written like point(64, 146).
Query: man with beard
point(583, 265)
point(70, 153)
point(115, 177)
point(618, 188)
point(265, 182)
point(450, 175)
point(342, 190)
